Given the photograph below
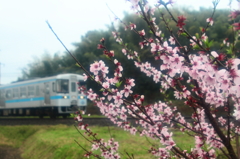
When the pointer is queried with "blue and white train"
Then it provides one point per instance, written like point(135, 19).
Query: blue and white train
point(51, 96)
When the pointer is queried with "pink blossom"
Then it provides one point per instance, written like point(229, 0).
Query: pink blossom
point(126, 91)
point(115, 34)
point(236, 26)
point(118, 98)
point(142, 33)
point(214, 54)
point(92, 96)
point(210, 21)
point(176, 61)
point(133, 131)
point(171, 40)
point(222, 120)
point(132, 26)
point(234, 14)
point(130, 82)
point(204, 37)
point(155, 47)
point(124, 51)
point(141, 44)
point(94, 68)
point(180, 22)
point(85, 77)
point(95, 146)
point(105, 85)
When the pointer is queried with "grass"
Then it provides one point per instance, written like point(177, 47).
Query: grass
point(57, 142)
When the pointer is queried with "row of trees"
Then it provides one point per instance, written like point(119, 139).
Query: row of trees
point(86, 50)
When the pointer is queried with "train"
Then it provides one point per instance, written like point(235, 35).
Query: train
point(50, 96)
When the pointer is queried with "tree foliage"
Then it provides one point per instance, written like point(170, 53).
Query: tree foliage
point(86, 50)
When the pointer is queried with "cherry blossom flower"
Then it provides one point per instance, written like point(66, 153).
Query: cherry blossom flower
point(236, 26)
point(171, 40)
point(210, 21)
point(142, 33)
point(155, 47)
point(126, 91)
point(234, 14)
point(94, 68)
point(118, 98)
point(105, 85)
point(132, 26)
point(180, 22)
point(204, 37)
point(124, 51)
point(85, 77)
point(214, 54)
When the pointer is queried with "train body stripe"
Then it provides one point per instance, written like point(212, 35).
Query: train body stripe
point(25, 100)
point(59, 97)
point(34, 99)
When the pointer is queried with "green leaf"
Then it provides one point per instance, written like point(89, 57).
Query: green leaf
point(197, 35)
point(118, 84)
point(184, 34)
point(72, 115)
point(78, 65)
point(210, 43)
point(191, 85)
point(92, 77)
point(196, 47)
point(101, 90)
point(107, 57)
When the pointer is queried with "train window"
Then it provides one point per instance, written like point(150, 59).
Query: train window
point(15, 93)
point(2, 93)
point(30, 90)
point(8, 94)
point(37, 91)
point(73, 86)
point(53, 87)
point(62, 86)
point(23, 92)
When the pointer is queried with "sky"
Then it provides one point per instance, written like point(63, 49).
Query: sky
point(24, 34)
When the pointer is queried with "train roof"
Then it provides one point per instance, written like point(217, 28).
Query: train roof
point(41, 80)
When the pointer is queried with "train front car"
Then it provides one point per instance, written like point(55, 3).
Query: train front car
point(66, 95)
point(50, 96)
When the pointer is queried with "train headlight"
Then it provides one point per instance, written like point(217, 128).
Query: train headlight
point(64, 97)
point(81, 97)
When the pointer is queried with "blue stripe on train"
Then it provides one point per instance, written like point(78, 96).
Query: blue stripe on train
point(58, 97)
point(33, 99)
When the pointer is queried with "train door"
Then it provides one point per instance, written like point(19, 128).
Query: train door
point(2, 98)
point(47, 93)
point(73, 90)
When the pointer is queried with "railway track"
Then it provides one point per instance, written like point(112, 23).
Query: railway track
point(48, 121)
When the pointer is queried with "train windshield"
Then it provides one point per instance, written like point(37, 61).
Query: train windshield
point(63, 86)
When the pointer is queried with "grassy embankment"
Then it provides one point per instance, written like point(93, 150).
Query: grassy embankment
point(58, 141)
